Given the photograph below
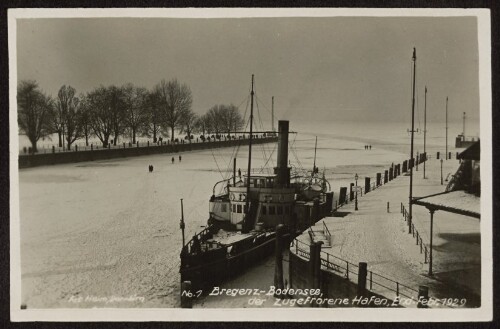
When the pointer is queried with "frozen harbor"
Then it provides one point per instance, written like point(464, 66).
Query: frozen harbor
point(94, 230)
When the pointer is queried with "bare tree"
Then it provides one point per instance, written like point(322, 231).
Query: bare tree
point(188, 123)
point(135, 101)
point(231, 118)
point(84, 119)
point(57, 122)
point(67, 106)
point(213, 119)
point(203, 124)
point(117, 111)
point(34, 111)
point(153, 124)
point(99, 103)
point(175, 101)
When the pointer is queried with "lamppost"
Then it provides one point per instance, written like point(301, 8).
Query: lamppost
point(441, 171)
point(356, 196)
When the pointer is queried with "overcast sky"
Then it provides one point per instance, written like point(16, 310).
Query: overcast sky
point(337, 68)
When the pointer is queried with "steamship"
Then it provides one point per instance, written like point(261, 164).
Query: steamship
point(243, 217)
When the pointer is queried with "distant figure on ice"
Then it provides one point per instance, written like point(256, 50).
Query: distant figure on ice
point(180, 158)
point(239, 172)
point(173, 159)
point(150, 168)
point(370, 147)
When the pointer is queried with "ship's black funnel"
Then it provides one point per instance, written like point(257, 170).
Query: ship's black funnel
point(282, 170)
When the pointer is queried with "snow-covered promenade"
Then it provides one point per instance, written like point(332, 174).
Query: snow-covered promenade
point(381, 239)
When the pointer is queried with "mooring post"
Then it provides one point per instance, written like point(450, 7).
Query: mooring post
point(186, 295)
point(405, 166)
point(315, 265)
point(379, 179)
point(437, 155)
point(278, 268)
point(386, 176)
point(391, 173)
point(362, 273)
point(351, 192)
point(343, 195)
point(423, 297)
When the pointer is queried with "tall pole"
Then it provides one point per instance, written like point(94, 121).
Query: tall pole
point(430, 238)
point(272, 114)
point(247, 199)
point(463, 129)
point(182, 225)
point(425, 125)
point(411, 147)
point(446, 127)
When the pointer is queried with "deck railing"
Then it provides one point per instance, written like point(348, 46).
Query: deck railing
point(376, 282)
point(416, 234)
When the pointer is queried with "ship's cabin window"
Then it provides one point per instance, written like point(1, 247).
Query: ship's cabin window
point(234, 208)
point(272, 210)
point(239, 209)
point(223, 207)
point(260, 181)
point(280, 210)
point(264, 210)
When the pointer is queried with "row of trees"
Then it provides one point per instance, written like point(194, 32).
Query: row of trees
point(109, 113)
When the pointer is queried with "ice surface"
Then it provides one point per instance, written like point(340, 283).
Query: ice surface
point(110, 228)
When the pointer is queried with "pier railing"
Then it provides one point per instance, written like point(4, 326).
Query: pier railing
point(416, 234)
point(375, 282)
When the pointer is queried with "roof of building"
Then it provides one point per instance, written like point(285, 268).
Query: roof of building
point(473, 152)
point(457, 202)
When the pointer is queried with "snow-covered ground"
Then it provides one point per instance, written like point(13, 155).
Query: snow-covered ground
point(111, 229)
point(381, 239)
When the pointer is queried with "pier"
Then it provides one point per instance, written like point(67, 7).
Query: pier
point(397, 261)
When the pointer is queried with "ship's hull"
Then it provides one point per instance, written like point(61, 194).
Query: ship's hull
point(205, 271)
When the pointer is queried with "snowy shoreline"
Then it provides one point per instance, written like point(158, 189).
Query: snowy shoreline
point(110, 228)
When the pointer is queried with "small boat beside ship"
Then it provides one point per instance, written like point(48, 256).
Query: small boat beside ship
point(241, 229)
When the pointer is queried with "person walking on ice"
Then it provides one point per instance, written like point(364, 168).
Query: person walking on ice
point(173, 159)
point(180, 158)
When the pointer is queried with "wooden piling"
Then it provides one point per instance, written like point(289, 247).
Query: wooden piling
point(278, 268)
point(186, 295)
point(386, 176)
point(362, 273)
point(423, 297)
point(367, 184)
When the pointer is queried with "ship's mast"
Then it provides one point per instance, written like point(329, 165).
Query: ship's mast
point(272, 114)
point(247, 199)
point(314, 164)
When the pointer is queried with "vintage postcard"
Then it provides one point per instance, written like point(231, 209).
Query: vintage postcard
point(250, 164)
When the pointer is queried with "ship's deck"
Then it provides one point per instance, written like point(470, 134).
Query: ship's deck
point(229, 237)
